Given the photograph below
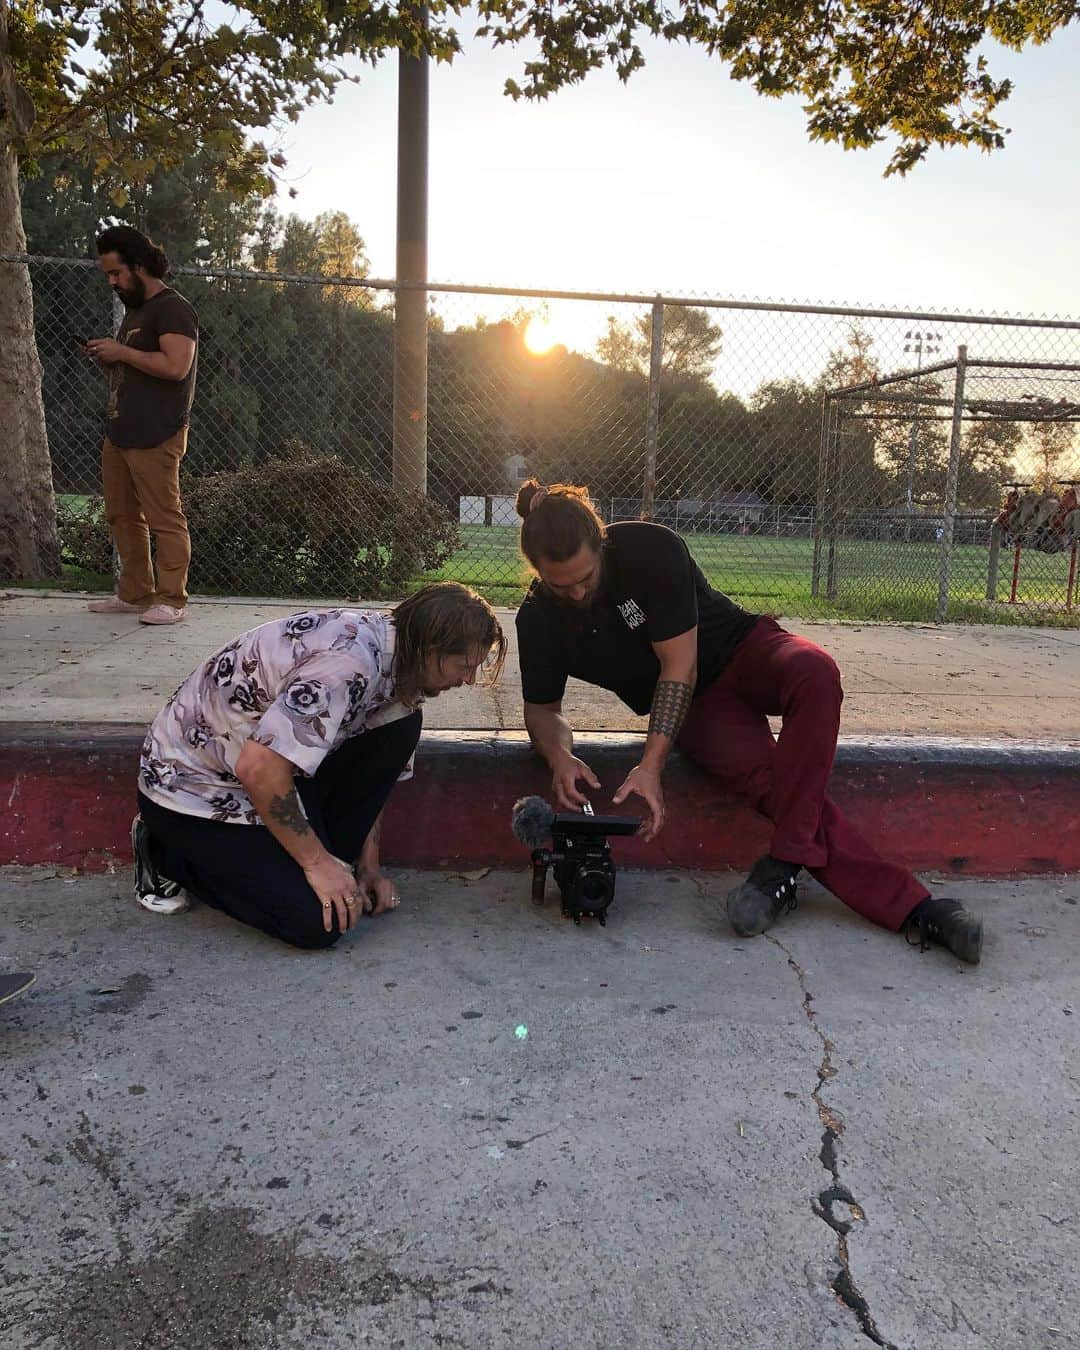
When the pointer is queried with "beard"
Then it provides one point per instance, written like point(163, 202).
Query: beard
point(134, 295)
point(593, 601)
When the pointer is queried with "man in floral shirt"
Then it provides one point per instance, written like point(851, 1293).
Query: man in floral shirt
point(262, 780)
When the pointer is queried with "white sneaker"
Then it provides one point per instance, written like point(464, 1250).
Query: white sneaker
point(176, 903)
point(153, 892)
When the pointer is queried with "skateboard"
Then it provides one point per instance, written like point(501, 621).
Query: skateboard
point(11, 986)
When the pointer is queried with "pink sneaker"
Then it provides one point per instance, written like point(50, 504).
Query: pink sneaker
point(161, 614)
point(112, 604)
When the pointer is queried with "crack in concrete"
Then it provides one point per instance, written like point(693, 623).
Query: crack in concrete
point(824, 1205)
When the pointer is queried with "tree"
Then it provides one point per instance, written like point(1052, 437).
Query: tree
point(707, 447)
point(620, 348)
point(690, 344)
point(987, 454)
point(787, 430)
point(277, 362)
point(28, 542)
point(913, 71)
point(126, 88)
point(856, 479)
point(1048, 443)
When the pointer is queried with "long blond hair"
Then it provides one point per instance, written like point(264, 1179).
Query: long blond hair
point(451, 620)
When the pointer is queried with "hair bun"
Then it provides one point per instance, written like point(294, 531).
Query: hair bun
point(526, 492)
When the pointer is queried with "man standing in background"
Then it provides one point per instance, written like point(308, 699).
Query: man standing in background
point(151, 366)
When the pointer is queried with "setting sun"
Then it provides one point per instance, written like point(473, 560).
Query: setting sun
point(539, 336)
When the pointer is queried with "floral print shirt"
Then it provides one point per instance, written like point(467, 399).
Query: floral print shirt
point(300, 686)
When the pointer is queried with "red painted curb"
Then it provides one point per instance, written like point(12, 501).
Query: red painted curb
point(977, 808)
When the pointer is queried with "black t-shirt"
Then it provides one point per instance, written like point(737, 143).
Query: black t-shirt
point(144, 410)
point(652, 590)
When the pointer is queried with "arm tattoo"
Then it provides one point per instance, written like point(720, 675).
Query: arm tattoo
point(285, 811)
point(670, 704)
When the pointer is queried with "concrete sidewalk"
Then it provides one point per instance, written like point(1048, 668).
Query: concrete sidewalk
point(819, 1140)
point(61, 664)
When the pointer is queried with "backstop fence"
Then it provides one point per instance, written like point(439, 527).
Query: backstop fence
point(820, 460)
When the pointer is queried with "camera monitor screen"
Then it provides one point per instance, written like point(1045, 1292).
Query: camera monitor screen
point(578, 825)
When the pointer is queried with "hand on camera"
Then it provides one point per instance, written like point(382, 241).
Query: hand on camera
point(564, 783)
point(644, 782)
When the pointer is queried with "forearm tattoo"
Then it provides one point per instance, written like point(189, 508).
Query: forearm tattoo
point(286, 811)
point(670, 704)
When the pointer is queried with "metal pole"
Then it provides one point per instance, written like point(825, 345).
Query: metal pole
point(995, 557)
point(912, 441)
point(819, 515)
point(833, 505)
point(951, 483)
point(410, 305)
point(652, 423)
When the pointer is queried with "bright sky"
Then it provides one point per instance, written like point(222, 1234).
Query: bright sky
point(685, 181)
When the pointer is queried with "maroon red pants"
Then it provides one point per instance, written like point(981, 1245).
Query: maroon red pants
point(774, 673)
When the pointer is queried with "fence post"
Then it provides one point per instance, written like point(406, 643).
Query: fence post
point(652, 423)
point(951, 482)
point(992, 565)
point(833, 485)
point(410, 306)
point(815, 574)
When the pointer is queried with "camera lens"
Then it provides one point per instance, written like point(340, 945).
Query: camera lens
point(594, 888)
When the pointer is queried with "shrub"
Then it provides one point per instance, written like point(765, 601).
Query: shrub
point(305, 524)
point(85, 540)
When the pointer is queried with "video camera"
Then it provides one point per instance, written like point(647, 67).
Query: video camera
point(579, 854)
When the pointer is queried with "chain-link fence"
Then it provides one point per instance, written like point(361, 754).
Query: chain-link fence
point(820, 460)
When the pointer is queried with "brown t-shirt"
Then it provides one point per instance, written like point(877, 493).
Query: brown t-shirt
point(143, 410)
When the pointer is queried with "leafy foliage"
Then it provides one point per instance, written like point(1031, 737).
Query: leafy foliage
point(864, 72)
point(300, 524)
point(305, 524)
point(690, 342)
point(85, 539)
point(127, 88)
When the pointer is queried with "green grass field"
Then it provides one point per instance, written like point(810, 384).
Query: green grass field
point(882, 581)
point(878, 581)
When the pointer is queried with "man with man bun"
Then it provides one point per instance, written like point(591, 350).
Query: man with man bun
point(626, 607)
point(151, 366)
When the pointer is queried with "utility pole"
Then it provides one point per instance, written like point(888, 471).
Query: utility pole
point(410, 304)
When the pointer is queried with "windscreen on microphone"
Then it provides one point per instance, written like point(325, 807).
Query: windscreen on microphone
point(531, 822)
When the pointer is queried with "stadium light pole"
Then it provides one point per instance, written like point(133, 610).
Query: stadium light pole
point(920, 343)
point(410, 305)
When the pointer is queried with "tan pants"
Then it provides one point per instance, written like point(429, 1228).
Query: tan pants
point(142, 497)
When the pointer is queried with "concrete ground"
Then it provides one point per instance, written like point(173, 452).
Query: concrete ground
point(59, 663)
point(474, 1125)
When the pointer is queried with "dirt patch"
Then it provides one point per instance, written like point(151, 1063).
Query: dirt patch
point(220, 1286)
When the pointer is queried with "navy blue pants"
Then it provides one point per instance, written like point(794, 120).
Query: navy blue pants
point(243, 870)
